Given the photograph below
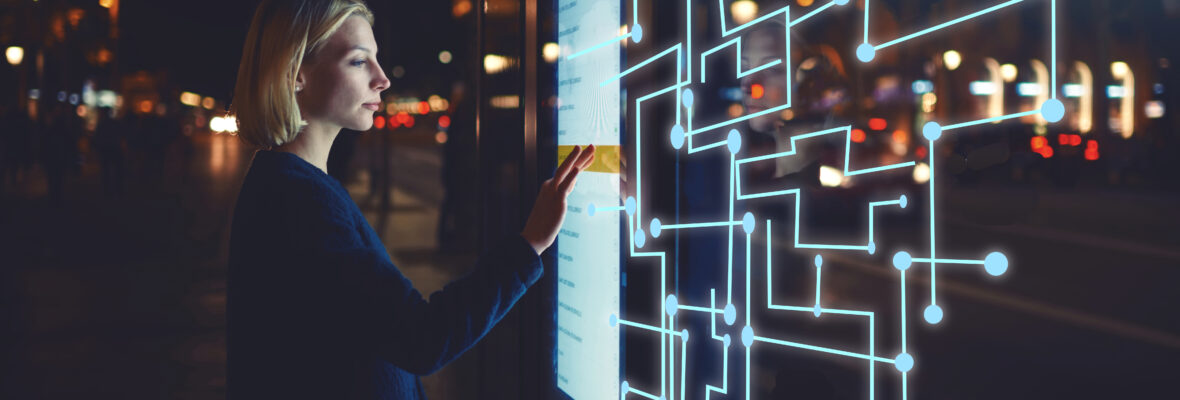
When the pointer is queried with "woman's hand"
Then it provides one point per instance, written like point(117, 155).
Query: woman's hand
point(549, 210)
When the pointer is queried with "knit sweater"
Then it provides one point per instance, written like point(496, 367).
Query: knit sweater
point(316, 308)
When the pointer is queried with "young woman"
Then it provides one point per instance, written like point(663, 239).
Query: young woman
point(315, 307)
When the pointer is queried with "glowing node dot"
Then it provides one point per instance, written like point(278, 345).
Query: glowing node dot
point(748, 223)
point(734, 140)
point(1053, 110)
point(819, 261)
point(865, 52)
point(614, 320)
point(677, 136)
point(687, 98)
point(730, 314)
point(748, 336)
point(726, 340)
point(932, 131)
point(636, 33)
point(625, 387)
point(590, 209)
point(903, 201)
point(629, 205)
point(640, 238)
point(872, 247)
point(670, 305)
point(995, 263)
point(902, 260)
point(656, 227)
point(817, 311)
point(684, 335)
point(933, 314)
point(904, 362)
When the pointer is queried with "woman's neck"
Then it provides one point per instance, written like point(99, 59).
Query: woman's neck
point(313, 144)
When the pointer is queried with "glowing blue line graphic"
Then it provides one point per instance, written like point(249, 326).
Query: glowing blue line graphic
point(614, 40)
point(987, 120)
point(823, 349)
point(994, 263)
point(944, 24)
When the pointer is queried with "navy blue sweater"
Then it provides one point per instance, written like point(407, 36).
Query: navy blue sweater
point(316, 308)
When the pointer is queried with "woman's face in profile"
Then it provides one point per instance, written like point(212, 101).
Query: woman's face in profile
point(342, 85)
point(763, 47)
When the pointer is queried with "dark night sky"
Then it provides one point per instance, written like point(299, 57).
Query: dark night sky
point(200, 42)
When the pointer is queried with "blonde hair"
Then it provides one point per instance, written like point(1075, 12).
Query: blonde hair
point(282, 34)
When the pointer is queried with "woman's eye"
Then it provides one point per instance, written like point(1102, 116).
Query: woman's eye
point(358, 63)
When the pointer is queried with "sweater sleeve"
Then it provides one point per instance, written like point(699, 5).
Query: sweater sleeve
point(376, 305)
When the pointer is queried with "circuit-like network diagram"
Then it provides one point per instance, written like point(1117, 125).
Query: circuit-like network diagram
point(995, 263)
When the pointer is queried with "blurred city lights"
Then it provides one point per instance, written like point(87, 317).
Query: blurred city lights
point(921, 173)
point(830, 176)
point(878, 124)
point(1091, 153)
point(1072, 90)
point(735, 110)
point(928, 101)
point(495, 63)
point(550, 52)
point(1119, 69)
point(901, 136)
point(444, 122)
point(461, 8)
point(983, 88)
point(505, 101)
point(743, 11)
point(756, 91)
point(444, 57)
point(1028, 89)
point(190, 99)
point(952, 59)
point(922, 86)
point(208, 103)
point(15, 54)
point(1008, 72)
point(1154, 109)
point(1116, 91)
point(858, 136)
point(1038, 142)
point(398, 71)
point(105, 98)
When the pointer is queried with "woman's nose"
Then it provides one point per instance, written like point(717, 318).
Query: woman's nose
point(382, 82)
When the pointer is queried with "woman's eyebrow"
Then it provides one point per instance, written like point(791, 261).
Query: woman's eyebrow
point(361, 48)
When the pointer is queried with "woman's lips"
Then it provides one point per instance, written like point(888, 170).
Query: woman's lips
point(373, 106)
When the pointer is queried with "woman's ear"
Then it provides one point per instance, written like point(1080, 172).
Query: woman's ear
point(300, 80)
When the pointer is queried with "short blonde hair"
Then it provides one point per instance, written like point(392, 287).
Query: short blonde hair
point(282, 34)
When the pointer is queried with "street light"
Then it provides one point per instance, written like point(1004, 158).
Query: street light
point(15, 54)
point(952, 59)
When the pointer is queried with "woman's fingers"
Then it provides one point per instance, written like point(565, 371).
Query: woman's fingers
point(585, 159)
point(570, 162)
point(589, 157)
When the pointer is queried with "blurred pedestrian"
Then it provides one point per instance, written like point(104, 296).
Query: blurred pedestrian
point(108, 141)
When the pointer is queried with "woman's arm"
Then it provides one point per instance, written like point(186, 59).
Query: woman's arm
point(379, 307)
